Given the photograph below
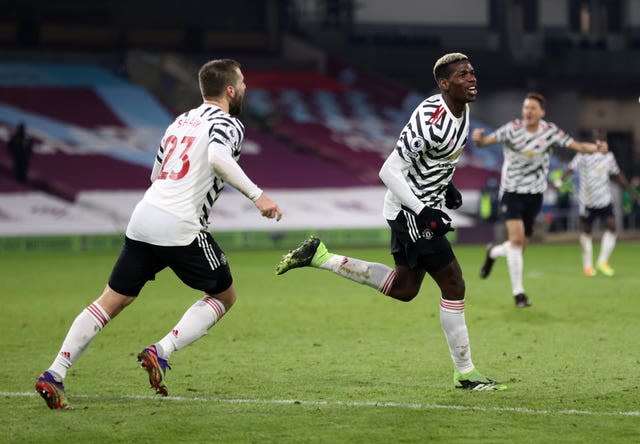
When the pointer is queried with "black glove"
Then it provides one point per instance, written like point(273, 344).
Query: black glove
point(452, 197)
point(437, 221)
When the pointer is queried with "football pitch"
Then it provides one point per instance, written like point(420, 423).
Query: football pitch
point(312, 357)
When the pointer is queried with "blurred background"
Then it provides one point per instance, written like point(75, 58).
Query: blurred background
point(330, 85)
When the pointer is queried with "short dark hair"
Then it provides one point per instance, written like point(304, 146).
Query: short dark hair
point(215, 75)
point(441, 68)
point(539, 97)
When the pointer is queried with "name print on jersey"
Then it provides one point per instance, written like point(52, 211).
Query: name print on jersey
point(189, 121)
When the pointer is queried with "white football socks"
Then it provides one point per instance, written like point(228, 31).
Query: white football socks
point(587, 250)
point(515, 263)
point(455, 331)
point(373, 274)
point(84, 328)
point(499, 250)
point(195, 323)
point(607, 245)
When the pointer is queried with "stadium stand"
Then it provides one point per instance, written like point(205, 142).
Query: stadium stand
point(115, 127)
point(95, 138)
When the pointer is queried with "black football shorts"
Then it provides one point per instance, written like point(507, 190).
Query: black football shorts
point(521, 206)
point(201, 265)
point(431, 254)
point(589, 214)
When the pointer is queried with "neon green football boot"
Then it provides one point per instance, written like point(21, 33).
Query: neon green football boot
point(605, 269)
point(310, 252)
point(476, 381)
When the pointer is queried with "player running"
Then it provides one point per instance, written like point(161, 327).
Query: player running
point(168, 228)
point(418, 176)
point(595, 198)
point(527, 150)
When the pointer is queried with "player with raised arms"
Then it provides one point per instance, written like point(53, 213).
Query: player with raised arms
point(527, 145)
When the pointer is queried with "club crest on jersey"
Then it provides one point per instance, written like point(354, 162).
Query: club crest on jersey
point(427, 234)
point(415, 147)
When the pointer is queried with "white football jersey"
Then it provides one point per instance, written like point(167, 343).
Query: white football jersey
point(527, 155)
point(432, 142)
point(594, 171)
point(177, 205)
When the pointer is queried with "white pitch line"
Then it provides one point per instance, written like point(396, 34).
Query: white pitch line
point(327, 403)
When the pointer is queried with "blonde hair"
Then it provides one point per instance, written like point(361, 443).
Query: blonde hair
point(440, 69)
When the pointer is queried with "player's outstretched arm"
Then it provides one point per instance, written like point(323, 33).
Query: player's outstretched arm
point(600, 146)
point(228, 169)
point(480, 140)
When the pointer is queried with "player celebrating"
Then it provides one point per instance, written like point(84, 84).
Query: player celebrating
point(418, 176)
point(168, 228)
point(527, 150)
point(595, 198)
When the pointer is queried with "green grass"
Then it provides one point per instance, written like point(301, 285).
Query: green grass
point(311, 357)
